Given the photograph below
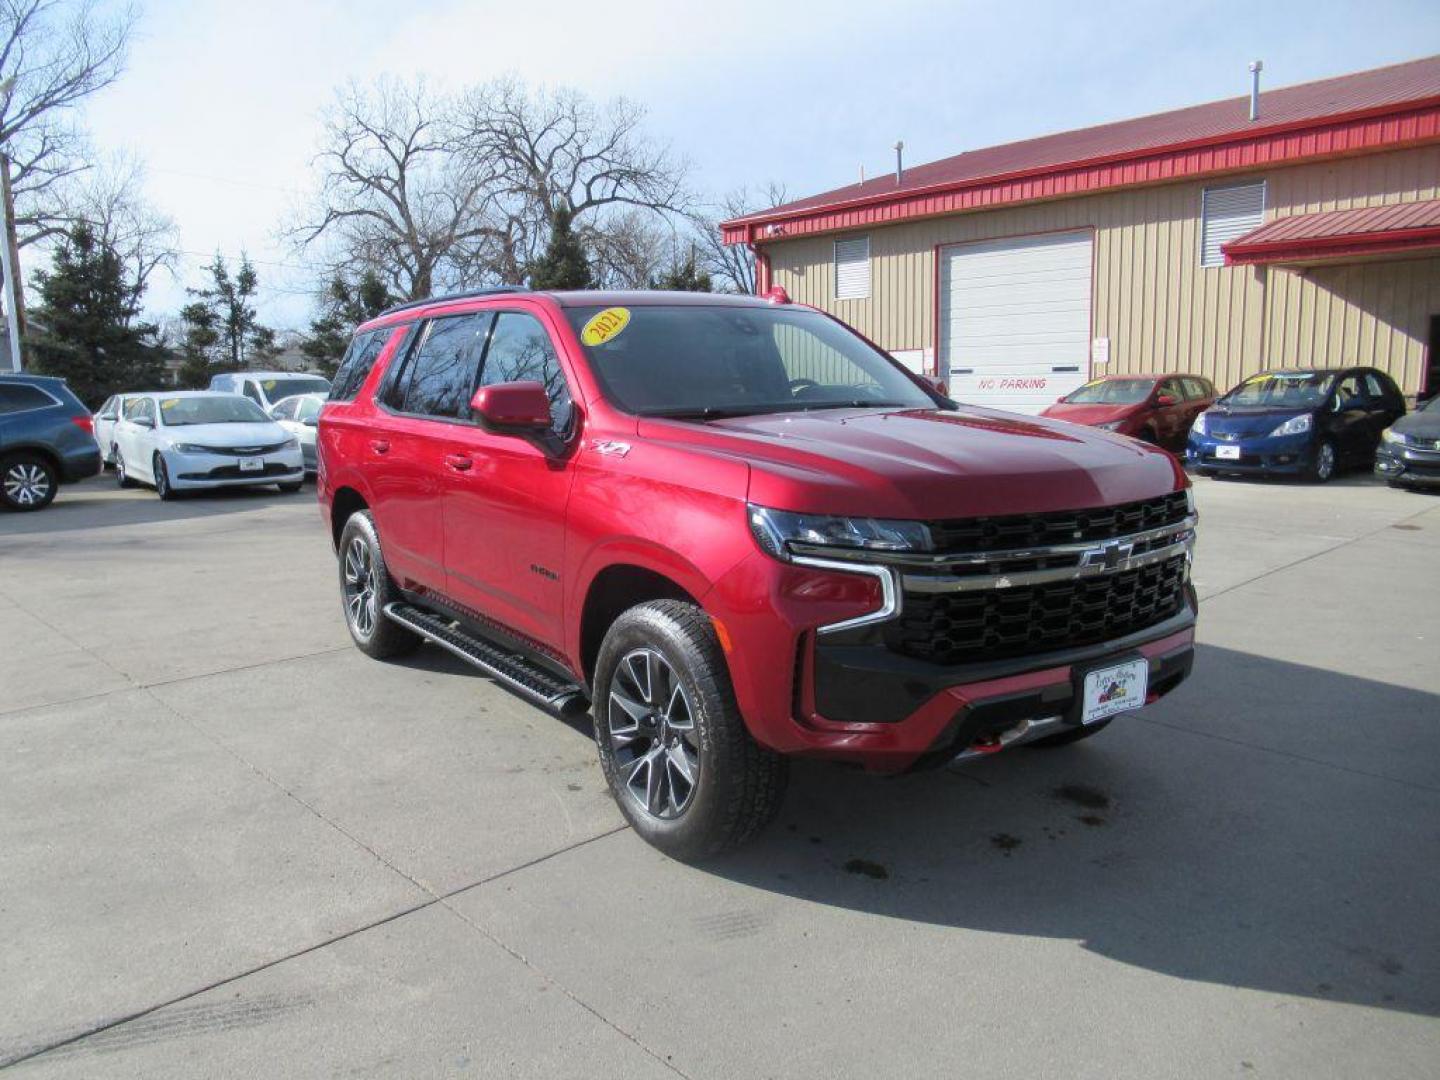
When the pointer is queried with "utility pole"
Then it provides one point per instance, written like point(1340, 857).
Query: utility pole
point(10, 257)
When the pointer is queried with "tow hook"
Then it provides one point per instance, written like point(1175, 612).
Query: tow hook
point(993, 744)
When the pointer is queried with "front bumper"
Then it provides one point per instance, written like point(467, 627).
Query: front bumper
point(196, 471)
point(1285, 454)
point(1407, 464)
point(861, 702)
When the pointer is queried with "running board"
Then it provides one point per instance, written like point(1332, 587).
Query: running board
point(512, 670)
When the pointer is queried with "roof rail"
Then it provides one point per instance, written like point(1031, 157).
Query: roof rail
point(490, 291)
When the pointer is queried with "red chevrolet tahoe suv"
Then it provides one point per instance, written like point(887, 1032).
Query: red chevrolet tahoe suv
point(738, 531)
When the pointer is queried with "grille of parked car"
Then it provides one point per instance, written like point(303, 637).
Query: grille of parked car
point(1067, 527)
point(269, 448)
point(234, 472)
point(992, 624)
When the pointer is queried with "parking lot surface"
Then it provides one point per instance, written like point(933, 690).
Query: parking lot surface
point(231, 845)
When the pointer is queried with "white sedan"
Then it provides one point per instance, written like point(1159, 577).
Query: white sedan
point(198, 439)
point(299, 414)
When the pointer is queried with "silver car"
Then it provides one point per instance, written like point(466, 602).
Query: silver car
point(299, 414)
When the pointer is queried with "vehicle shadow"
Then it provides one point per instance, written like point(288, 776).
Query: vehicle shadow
point(1164, 843)
point(97, 504)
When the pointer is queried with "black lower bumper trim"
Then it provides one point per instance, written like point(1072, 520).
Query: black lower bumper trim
point(863, 682)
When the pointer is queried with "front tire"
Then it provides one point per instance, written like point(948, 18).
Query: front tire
point(161, 473)
point(1322, 469)
point(122, 478)
point(27, 482)
point(365, 589)
point(674, 748)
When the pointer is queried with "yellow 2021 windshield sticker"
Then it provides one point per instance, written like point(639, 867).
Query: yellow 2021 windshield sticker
point(170, 403)
point(604, 325)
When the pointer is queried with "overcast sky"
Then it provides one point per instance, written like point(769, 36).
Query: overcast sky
point(220, 99)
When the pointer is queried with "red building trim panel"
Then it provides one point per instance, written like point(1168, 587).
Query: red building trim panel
point(1370, 131)
point(1332, 248)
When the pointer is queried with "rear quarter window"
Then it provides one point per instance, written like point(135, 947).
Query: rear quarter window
point(356, 364)
point(21, 397)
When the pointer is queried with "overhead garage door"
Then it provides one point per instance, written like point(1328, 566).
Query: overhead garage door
point(1015, 319)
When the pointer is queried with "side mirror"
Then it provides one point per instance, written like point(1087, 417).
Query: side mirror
point(314, 421)
point(517, 407)
point(1165, 400)
point(143, 421)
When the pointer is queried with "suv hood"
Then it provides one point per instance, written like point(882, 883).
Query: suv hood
point(260, 433)
point(931, 463)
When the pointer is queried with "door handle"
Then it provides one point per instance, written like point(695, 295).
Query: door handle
point(458, 462)
point(380, 446)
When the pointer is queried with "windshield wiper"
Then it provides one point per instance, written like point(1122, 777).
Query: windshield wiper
point(711, 412)
point(866, 403)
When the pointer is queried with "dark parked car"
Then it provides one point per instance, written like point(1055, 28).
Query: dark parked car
point(1298, 421)
point(1409, 451)
point(45, 440)
point(1157, 409)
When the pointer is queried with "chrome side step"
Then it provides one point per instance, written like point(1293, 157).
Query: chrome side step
point(515, 672)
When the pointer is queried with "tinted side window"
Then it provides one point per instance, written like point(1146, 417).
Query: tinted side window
point(17, 397)
point(284, 411)
point(1196, 390)
point(355, 365)
point(1172, 388)
point(252, 391)
point(140, 409)
point(443, 369)
point(521, 351)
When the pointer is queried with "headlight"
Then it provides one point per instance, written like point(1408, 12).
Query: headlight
point(1296, 425)
point(1113, 425)
point(1201, 425)
point(778, 531)
point(291, 443)
point(1390, 435)
point(191, 448)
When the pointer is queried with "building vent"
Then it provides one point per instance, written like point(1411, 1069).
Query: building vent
point(852, 268)
point(1227, 213)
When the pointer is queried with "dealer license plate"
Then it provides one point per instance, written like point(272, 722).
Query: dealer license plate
point(1227, 453)
point(252, 464)
point(1115, 689)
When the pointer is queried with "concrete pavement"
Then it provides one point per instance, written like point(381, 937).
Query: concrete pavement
point(230, 845)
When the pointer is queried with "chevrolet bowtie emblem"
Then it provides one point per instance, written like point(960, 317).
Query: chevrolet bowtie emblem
point(1109, 554)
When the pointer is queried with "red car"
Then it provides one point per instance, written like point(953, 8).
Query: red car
point(737, 531)
point(1157, 409)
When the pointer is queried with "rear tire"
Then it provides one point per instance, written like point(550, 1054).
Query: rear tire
point(365, 589)
point(660, 662)
point(27, 482)
point(1069, 735)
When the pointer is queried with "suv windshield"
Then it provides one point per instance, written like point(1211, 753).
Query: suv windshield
point(1283, 389)
point(1112, 392)
point(707, 362)
point(219, 409)
point(279, 389)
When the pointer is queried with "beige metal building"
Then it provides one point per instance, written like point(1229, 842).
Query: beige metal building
point(1200, 240)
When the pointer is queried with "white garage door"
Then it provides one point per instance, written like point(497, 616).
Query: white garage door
point(1015, 319)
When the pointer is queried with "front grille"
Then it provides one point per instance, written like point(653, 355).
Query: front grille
point(242, 451)
point(961, 627)
point(1066, 527)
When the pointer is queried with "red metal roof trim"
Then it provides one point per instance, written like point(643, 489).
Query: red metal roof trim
point(1398, 228)
point(1313, 141)
point(1313, 120)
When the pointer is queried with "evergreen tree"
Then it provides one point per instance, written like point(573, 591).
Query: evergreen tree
point(683, 277)
point(347, 305)
point(222, 330)
point(564, 264)
point(85, 325)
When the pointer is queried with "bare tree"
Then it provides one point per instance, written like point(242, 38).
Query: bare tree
point(397, 196)
point(630, 250)
point(109, 199)
point(733, 265)
point(57, 56)
point(548, 150)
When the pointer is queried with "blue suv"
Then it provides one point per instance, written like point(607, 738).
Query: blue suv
point(45, 440)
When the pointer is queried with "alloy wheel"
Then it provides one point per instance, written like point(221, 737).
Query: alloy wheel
point(162, 477)
point(1325, 461)
point(27, 484)
point(360, 588)
point(652, 734)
